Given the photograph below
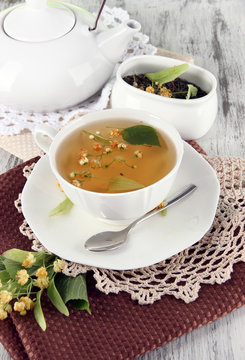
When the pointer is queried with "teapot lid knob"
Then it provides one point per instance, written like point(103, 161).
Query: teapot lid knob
point(36, 4)
point(36, 21)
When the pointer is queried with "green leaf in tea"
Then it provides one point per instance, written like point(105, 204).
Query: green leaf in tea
point(169, 74)
point(63, 208)
point(121, 183)
point(99, 138)
point(192, 91)
point(74, 290)
point(140, 135)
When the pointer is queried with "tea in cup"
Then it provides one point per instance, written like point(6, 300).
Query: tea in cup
point(115, 164)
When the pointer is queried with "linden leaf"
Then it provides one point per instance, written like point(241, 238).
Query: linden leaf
point(63, 208)
point(99, 138)
point(141, 135)
point(74, 290)
point(168, 75)
point(38, 312)
point(19, 256)
point(56, 299)
point(192, 91)
point(4, 276)
point(120, 183)
point(2, 267)
point(12, 267)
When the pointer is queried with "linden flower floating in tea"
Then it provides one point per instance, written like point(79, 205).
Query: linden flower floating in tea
point(166, 83)
point(113, 158)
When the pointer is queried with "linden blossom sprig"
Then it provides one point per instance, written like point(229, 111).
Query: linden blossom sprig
point(25, 275)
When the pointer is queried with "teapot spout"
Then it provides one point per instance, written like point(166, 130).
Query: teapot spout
point(112, 43)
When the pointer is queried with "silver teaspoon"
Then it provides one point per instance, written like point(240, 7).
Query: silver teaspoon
point(110, 240)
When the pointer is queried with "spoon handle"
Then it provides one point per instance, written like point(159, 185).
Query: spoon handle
point(187, 191)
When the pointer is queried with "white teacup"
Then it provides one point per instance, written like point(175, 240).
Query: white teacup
point(117, 208)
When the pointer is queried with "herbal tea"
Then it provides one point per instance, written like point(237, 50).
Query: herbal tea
point(116, 156)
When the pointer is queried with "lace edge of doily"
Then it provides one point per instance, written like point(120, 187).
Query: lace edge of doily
point(141, 296)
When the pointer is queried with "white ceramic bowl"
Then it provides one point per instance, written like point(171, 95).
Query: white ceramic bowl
point(192, 118)
point(120, 207)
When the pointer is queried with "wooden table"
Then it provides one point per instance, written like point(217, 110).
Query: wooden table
point(213, 33)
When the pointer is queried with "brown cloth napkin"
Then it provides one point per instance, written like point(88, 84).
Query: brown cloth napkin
point(118, 328)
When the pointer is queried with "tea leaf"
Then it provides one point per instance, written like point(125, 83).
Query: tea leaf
point(140, 135)
point(38, 312)
point(74, 290)
point(169, 74)
point(56, 299)
point(192, 91)
point(123, 183)
point(99, 138)
point(63, 208)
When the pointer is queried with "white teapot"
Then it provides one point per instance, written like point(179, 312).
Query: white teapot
point(50, 60)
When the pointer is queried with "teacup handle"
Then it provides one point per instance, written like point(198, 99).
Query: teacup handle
point(43, 134)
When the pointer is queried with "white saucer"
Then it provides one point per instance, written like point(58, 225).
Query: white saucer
point(150, 242)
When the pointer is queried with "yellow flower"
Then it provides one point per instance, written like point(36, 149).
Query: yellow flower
point(138, 154)
point(3, 314)
point(42, 282)
point(5, 297)
point(19, 306)
point(115, 132)
point(72, 174)
point(27, 301)
point(161, 205)
point(59, 265)
point(8, 308)
point(122, 146)
point(83, 160)
point(76, 183)
point(108, 150)
point(22, 277)
point(29, 261)
point(41, 272)
point(150, 89)
point(165, 92)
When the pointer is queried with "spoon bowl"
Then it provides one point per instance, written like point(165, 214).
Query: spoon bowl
point(111, 240)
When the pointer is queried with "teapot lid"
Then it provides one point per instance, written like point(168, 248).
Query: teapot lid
point(35, 21)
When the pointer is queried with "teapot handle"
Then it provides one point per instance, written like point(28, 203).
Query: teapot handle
point(98, 16)
point(44, 135)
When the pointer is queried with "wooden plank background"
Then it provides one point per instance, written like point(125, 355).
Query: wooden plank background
point(213, 32)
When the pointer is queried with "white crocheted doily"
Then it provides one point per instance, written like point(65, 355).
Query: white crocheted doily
point(209, 261)
point(13, 122)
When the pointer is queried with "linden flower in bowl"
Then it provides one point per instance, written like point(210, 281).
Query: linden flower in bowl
point(156, 84)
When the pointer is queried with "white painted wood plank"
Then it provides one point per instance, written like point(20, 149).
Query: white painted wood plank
point(4, 354)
